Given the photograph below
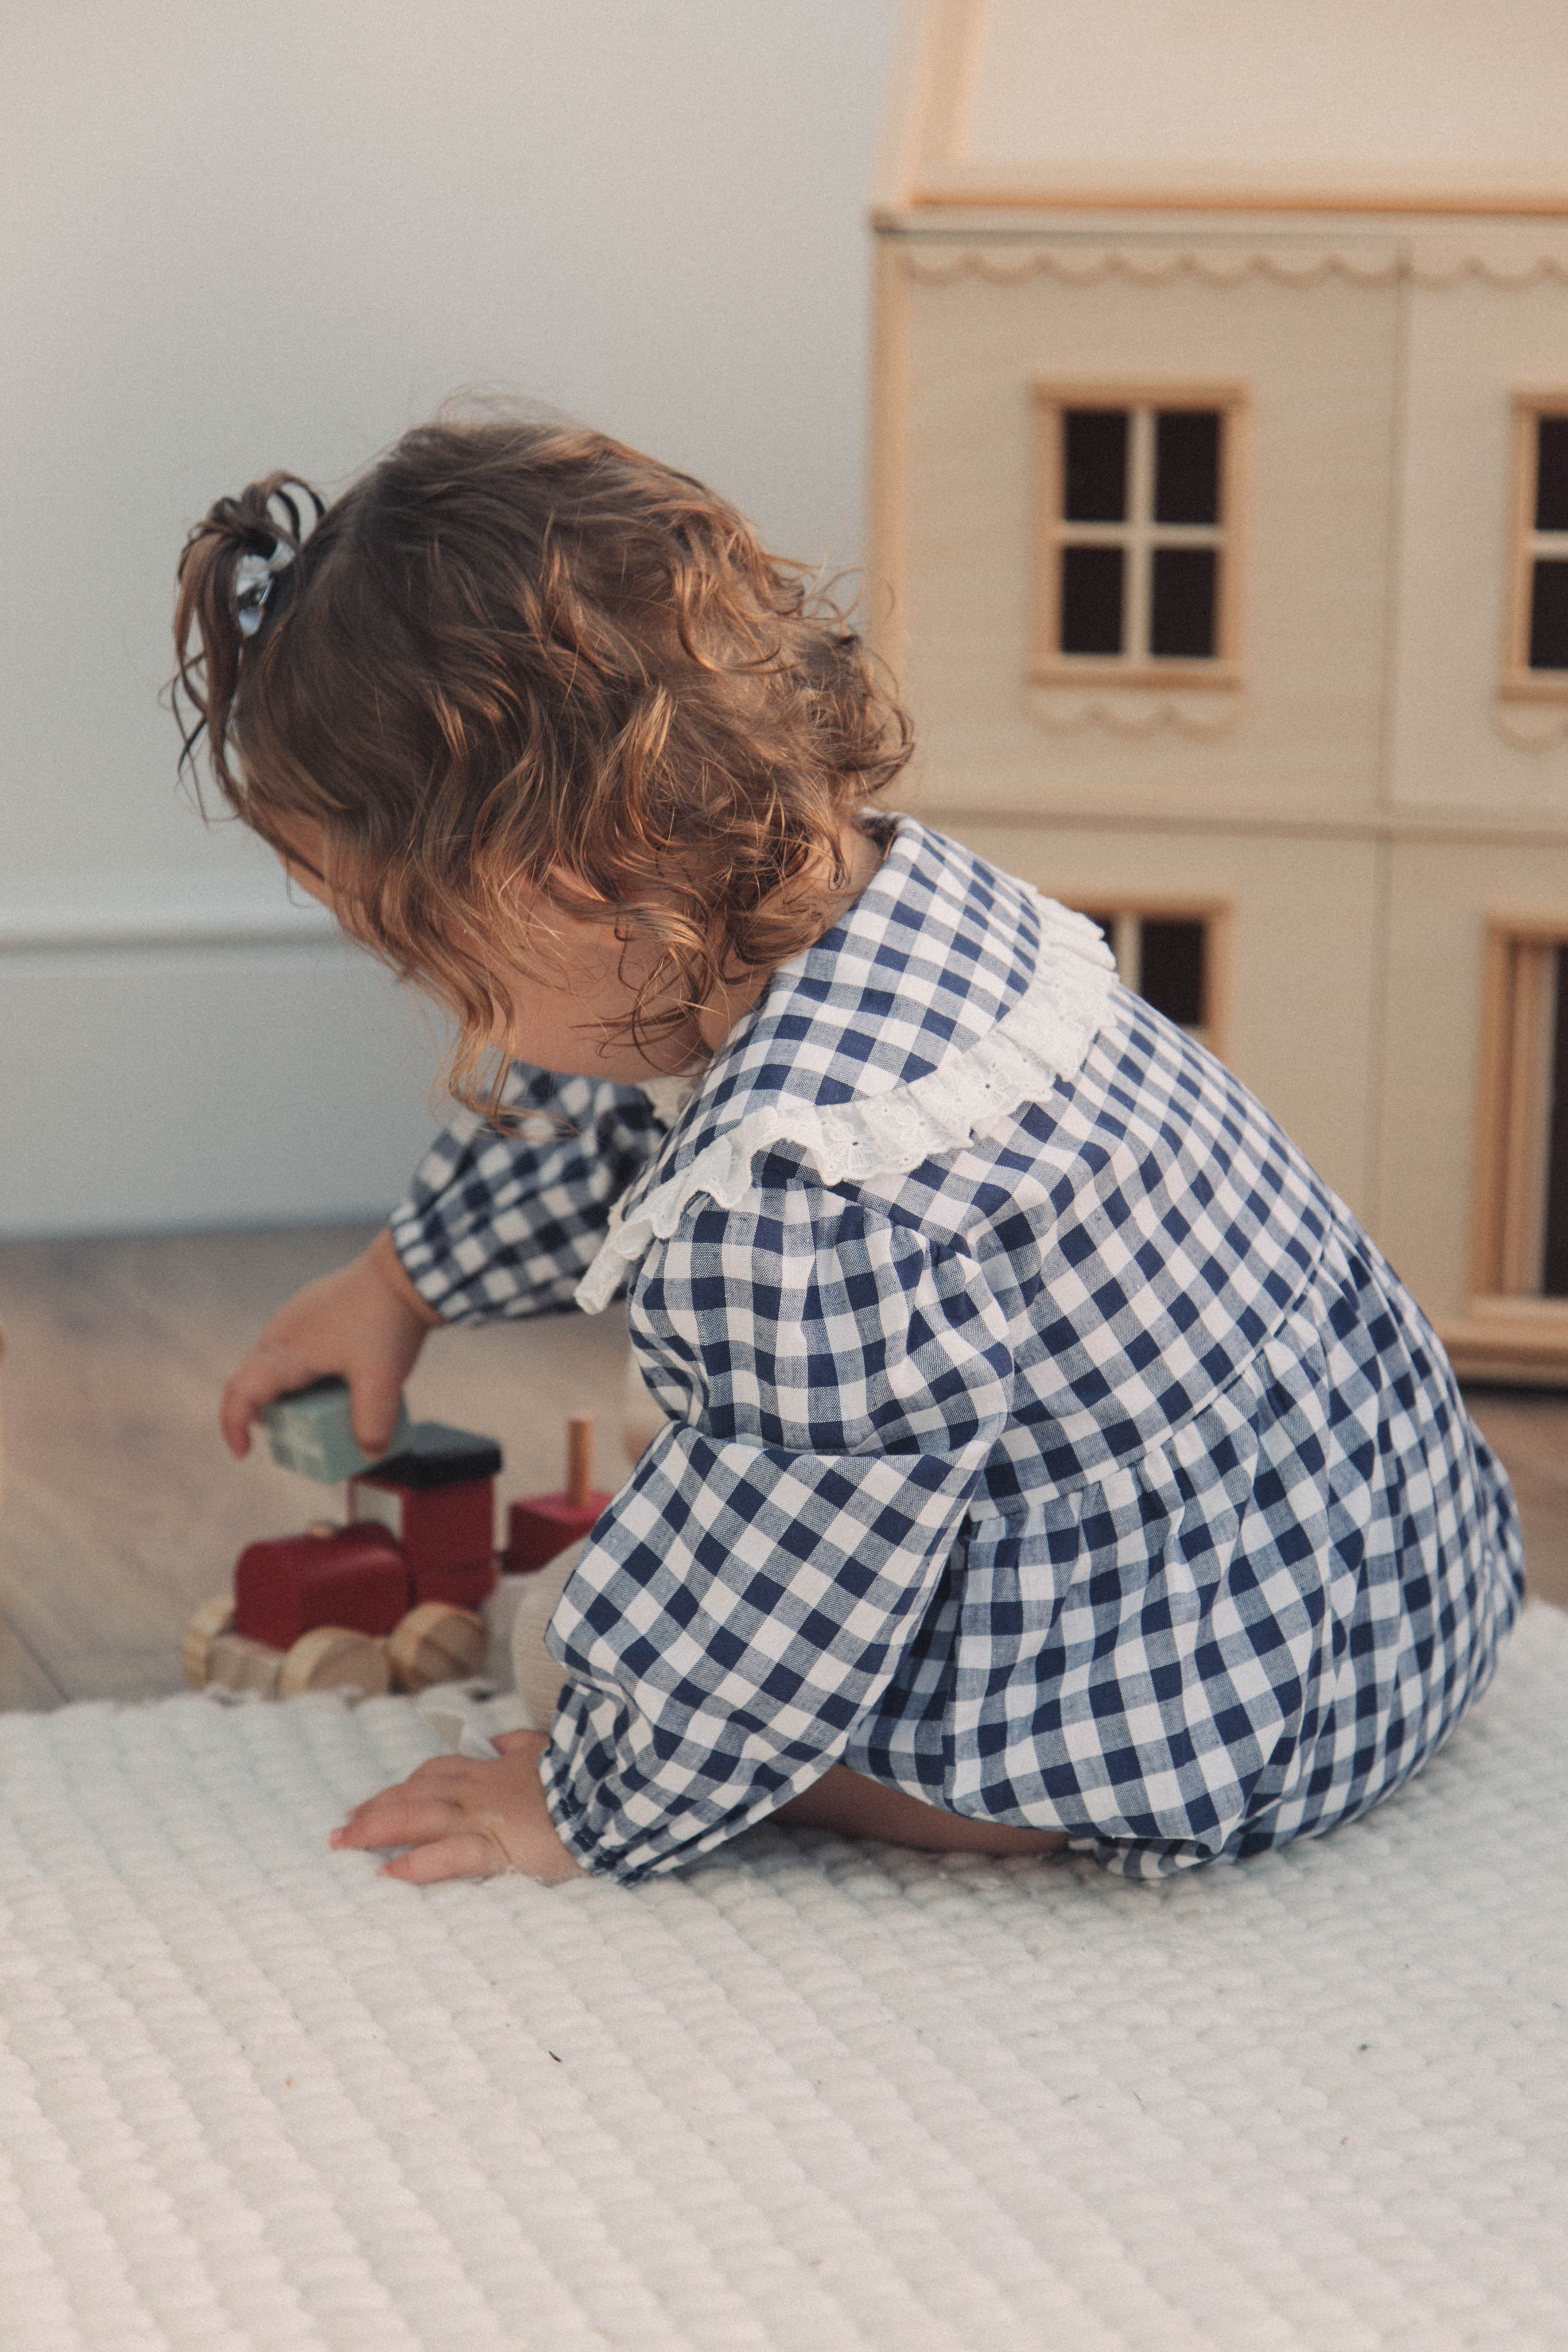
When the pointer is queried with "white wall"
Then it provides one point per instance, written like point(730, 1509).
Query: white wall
point(241, 236)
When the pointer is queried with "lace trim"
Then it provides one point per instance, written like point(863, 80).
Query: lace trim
point(1045, 1037)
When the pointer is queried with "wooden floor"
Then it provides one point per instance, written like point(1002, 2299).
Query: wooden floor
point(123, 1510)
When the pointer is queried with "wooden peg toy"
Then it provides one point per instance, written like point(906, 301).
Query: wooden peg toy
point(541, 1525)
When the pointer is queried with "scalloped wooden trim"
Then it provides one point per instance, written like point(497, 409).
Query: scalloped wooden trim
point(1204, 712)
point(1080, 265)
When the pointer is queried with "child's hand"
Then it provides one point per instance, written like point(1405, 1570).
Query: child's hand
point(465, 1820)
point(366, 1323)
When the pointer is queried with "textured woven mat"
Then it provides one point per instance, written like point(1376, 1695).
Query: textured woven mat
point(806, 2095)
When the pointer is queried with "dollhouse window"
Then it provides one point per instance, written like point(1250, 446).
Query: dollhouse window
point(1168, 957)
point(1139, 517)
point(1537, 655)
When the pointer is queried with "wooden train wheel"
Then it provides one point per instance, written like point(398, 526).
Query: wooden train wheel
point(248, 1669)
point(436, 1643)
point(330, 1657)
point(213, 1617)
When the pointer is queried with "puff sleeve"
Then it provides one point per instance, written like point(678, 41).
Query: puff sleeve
point(835, 1382)
point(506, 1223)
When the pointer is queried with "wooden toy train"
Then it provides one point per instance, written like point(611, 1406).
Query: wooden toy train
point(398, 1595)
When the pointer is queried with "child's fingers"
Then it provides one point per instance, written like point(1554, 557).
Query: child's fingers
point(250, 1390)
point(373, 1401)
point(505, 1741)
point(373, 1408)
point(397, 1819)
point(438, 1779)
point(468, 1854)
point(235, 1413)
point(467, 1819)
point(445, 1775)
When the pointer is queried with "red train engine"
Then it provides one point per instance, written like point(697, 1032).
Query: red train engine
point(392, 1597)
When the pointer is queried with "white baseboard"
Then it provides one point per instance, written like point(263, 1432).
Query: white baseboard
point(221, 1062)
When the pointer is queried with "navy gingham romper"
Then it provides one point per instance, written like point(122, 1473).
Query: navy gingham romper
point(1045, 1439)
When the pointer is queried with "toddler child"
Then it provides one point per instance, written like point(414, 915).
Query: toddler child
point(1050, 1459)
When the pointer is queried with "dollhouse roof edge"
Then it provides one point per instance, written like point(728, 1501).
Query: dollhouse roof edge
point(1011, 106)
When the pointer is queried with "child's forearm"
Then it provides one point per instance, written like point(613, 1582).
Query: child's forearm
point(383, 1255)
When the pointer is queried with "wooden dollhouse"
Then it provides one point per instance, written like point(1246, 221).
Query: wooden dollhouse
point(1220, 512)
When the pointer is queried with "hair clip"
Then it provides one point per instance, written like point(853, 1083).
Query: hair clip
point(253, 578)
point(254, 574)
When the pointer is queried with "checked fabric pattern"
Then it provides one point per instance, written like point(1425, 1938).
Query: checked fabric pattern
point(1092, 1472)
point(507, 1225)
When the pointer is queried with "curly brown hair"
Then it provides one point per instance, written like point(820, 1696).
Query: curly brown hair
point(515, 652)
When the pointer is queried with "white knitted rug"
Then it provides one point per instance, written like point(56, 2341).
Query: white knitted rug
point(807, 2095)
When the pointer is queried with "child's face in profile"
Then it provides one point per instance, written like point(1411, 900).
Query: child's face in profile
point(570, 1015)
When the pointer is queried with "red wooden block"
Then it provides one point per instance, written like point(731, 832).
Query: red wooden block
point(465, 1588)
point(354, 1577)
point(437, 1496)
point(544, 1524)
point(439, 1527)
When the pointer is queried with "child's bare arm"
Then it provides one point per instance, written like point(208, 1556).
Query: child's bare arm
point(465, 1820)
point(367, 1322)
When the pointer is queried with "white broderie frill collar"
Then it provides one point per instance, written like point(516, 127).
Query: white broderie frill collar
point(1043, 1037)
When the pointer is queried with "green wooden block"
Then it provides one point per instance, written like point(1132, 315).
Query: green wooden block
point(310, 1430)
